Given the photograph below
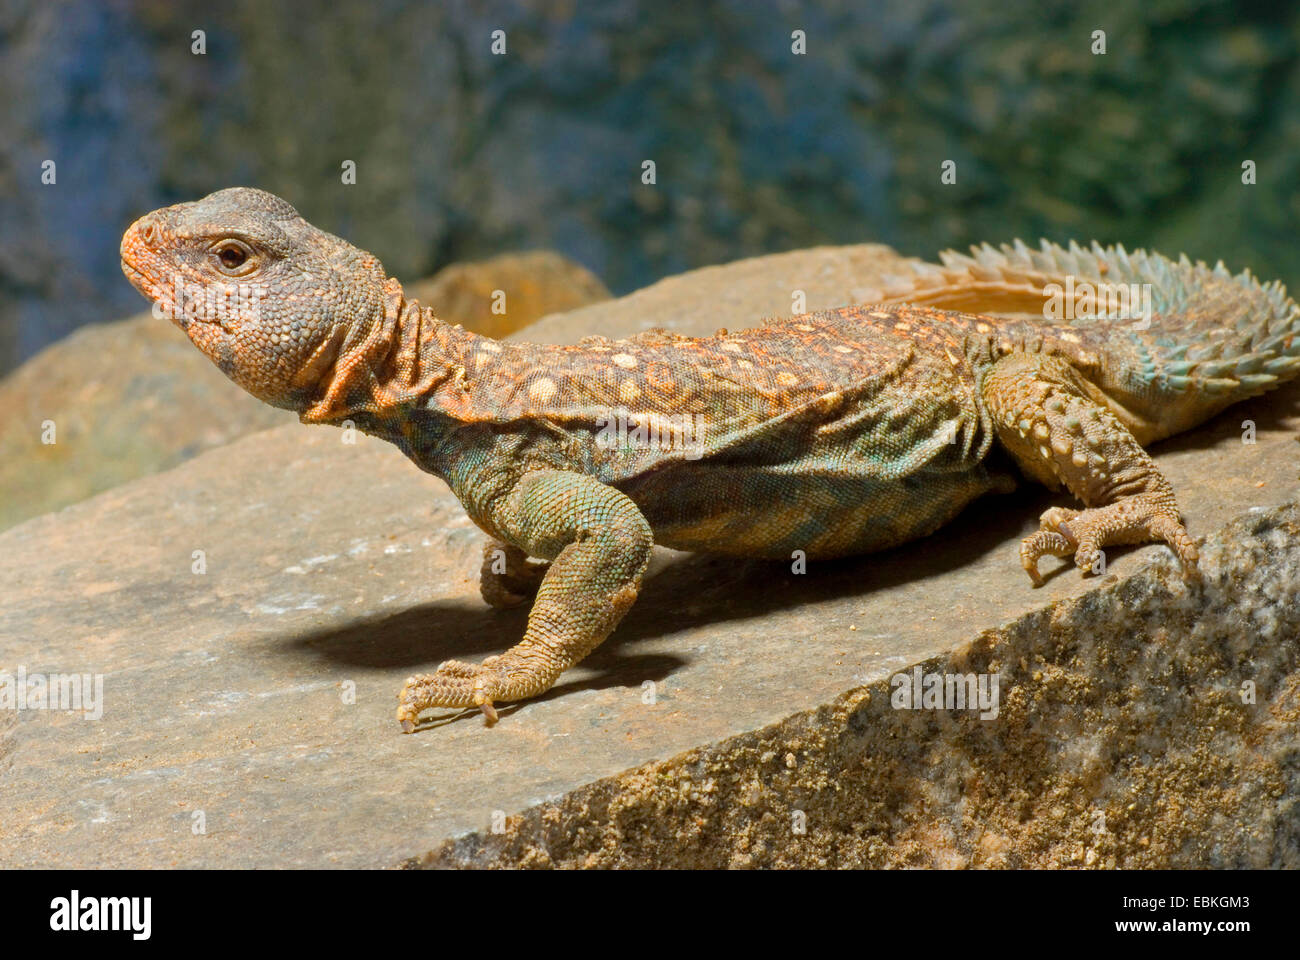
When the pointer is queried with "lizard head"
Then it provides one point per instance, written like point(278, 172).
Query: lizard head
point(269, 298)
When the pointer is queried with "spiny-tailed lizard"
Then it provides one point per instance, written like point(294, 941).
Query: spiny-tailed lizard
point(834, 433)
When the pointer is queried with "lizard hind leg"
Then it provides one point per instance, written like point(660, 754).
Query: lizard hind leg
point(1060, 436)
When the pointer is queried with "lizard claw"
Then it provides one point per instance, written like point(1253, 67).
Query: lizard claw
point(1054, 538)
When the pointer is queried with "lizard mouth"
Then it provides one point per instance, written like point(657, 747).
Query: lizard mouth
point(142, 282)
point(149, 288)
point(137, 248)
point(137, 279)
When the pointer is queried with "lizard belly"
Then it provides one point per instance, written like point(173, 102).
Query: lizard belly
point(742, 512)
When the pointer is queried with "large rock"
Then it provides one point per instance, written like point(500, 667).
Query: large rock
point(260, 693)
point(1142, 725)
point(133, 397)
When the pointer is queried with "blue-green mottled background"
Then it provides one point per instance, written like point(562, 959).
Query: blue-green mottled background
point(461, 153)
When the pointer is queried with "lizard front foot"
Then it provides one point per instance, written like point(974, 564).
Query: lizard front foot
point(1083, 533)
point(453, 684)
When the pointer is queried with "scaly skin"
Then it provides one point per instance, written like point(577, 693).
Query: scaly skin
point(833, 433)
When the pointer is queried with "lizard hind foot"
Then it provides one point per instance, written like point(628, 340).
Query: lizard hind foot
point(1084, 533)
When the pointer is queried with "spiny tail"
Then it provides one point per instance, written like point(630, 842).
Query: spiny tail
point(1212, 338)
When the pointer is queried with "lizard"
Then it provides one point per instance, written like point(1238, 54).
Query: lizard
point(836, 433)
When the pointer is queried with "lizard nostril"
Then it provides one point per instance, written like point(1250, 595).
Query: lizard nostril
point(146, 231)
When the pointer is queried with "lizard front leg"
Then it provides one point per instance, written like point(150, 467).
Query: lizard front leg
point(599, 544)
point(1059, 435)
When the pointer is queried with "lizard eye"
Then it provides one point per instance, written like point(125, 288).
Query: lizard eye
point(234, 257)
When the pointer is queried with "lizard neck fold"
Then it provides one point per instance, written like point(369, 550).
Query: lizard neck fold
point(405, 355)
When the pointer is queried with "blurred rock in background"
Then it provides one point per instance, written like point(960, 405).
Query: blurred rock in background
point(461, 153)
